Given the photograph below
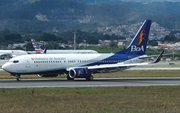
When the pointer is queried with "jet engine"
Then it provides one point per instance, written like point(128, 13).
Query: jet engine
point(80, 73)
point(47, 75)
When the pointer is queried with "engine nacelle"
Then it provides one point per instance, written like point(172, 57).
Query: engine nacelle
point(47, 75)
point(80, 73)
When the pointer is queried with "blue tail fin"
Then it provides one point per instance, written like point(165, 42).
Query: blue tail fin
point(139, 42)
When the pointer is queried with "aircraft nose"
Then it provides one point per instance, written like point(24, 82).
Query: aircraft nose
point(6, 67)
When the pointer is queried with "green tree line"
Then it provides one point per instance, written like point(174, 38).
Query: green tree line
point(8, 37)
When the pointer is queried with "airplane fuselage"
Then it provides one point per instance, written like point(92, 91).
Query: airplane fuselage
point(59, 63)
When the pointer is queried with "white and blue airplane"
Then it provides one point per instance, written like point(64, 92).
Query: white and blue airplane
point(83, 65)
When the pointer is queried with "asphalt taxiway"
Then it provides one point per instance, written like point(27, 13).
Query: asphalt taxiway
point(97, 82)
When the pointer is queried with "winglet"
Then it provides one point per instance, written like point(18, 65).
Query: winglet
point(45, 50)
point(158, 58)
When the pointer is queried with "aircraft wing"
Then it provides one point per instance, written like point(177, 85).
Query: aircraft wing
point(119, 66)
point(108, 68)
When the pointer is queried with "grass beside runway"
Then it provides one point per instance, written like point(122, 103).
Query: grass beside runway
point(140, 73)
point(152, 99)
point(125, 74)
point(99, 99)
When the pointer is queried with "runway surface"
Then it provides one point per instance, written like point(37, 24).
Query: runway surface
point(98, 82)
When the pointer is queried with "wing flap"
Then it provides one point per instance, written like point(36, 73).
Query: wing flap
point(116, 65)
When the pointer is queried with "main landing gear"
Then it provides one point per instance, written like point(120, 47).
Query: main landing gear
point(18, 76)
point(90, 78)
point(68, 78)
point(18, 79)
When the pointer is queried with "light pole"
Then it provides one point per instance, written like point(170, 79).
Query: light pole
point(74, 40)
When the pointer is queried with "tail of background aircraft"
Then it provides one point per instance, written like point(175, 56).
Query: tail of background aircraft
point(38, 50)
point(45, 50)
point(139, 42)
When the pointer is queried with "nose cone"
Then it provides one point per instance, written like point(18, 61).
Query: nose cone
point(6, 67)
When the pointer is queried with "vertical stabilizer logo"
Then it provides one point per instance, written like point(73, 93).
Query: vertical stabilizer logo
point(138, 47)
point(143, 32)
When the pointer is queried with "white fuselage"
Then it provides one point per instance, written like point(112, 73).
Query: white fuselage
point(12, 53)
point(42, 63)
point(66, 52)
point(71, 52)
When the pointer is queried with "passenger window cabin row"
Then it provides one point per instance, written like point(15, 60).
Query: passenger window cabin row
point(80, 61)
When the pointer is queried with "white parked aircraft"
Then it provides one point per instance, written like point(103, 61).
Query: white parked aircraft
point(11, 53)
point(38, 50)
point(83, 65)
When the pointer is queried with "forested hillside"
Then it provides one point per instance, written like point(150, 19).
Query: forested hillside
point(69, 15)
point(118, 1)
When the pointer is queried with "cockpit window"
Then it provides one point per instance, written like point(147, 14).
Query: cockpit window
point(15, 61)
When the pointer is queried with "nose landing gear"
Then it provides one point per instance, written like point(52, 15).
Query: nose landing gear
point(18, 76)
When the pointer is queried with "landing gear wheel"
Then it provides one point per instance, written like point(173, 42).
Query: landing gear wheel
point(19, 79)
point(90, 78)
point(68, 78)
